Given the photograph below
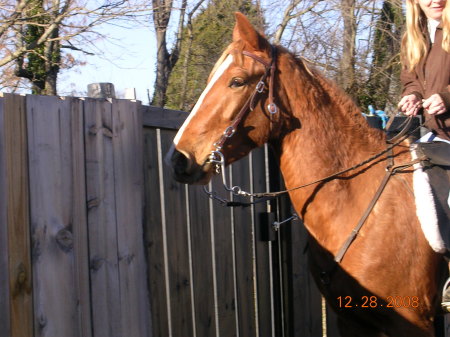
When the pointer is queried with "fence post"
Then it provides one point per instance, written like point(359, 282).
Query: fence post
point(101, 90)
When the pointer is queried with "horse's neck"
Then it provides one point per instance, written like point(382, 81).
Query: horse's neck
point(327, 142)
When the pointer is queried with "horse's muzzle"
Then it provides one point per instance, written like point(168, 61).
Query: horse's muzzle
point(186, 170)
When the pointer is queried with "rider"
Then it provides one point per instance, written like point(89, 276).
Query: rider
point(426, 73)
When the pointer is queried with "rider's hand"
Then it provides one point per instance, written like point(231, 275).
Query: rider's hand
point(434, 105)
point(410, 105)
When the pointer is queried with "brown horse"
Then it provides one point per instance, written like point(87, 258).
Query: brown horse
point(388, 282)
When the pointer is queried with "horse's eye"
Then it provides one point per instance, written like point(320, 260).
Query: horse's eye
point(237, 82)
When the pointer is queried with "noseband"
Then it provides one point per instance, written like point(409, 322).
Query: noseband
point(216, 157)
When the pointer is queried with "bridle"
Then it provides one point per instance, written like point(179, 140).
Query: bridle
point(216, 156)
point(250, 103)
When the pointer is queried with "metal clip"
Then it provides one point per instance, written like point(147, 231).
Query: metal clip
point(217, 146)
point(276, 225)
point(214, 196)
point(216, 158)
point(238, 191)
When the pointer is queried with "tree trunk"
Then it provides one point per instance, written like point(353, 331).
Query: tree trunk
point(347, 77)
point(44, 60)
point(52, 55)
point(162, 70)
point(162, 10)
point(187, 57)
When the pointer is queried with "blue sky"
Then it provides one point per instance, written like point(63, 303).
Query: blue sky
point(127, 60)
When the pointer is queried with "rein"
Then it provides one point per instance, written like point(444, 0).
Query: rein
point(219, 161)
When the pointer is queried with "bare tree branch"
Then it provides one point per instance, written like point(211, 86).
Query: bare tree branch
point(64, 14)
point(289, 15)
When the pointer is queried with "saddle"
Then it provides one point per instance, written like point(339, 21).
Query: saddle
point(437, 167)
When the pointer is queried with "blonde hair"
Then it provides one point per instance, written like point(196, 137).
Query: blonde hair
point(446, 30)
point(414, 46)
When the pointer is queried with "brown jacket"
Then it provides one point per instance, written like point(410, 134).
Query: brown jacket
point(432, 76)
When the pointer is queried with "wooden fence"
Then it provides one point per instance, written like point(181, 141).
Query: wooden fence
point(96, 239)
point(72, 259)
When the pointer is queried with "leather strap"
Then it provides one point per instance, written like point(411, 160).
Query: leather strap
point(250, 103)
point(404, 128)
point(390, 170)
point(340, 255)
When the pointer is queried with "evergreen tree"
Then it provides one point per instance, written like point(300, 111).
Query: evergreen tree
point(210, 33)
point(41, 64)
point(385, 68)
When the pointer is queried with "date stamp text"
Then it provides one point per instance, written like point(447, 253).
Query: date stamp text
point(375, 302)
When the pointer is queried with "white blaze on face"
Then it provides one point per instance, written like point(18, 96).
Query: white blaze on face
point(224, 66)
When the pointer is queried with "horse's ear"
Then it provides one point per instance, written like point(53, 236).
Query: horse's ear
point(244, 30)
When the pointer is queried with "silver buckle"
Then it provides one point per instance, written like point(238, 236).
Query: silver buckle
point(272, 108)
point(229, 132)
point(260, 87)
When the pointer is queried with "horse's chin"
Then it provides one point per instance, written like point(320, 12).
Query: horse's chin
point(199, 176)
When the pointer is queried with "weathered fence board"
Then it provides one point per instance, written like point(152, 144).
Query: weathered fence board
point(304, 305)
point(245, 275)
point(80, 229)
point(17, 216)
point(115, 201)
point(225, 264)
point(102, 221)
point(4, 266)
point(128, 182)
point(203, 269)
point(154, 232)
point(161, 118)
point(52, 149)
point(263, 249)
point(177, 248)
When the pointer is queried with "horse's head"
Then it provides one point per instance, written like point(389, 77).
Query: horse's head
point(233, 114)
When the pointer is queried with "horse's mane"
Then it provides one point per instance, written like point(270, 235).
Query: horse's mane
point(315, 92)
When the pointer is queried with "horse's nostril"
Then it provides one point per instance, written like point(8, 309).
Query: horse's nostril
point(181, 164)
